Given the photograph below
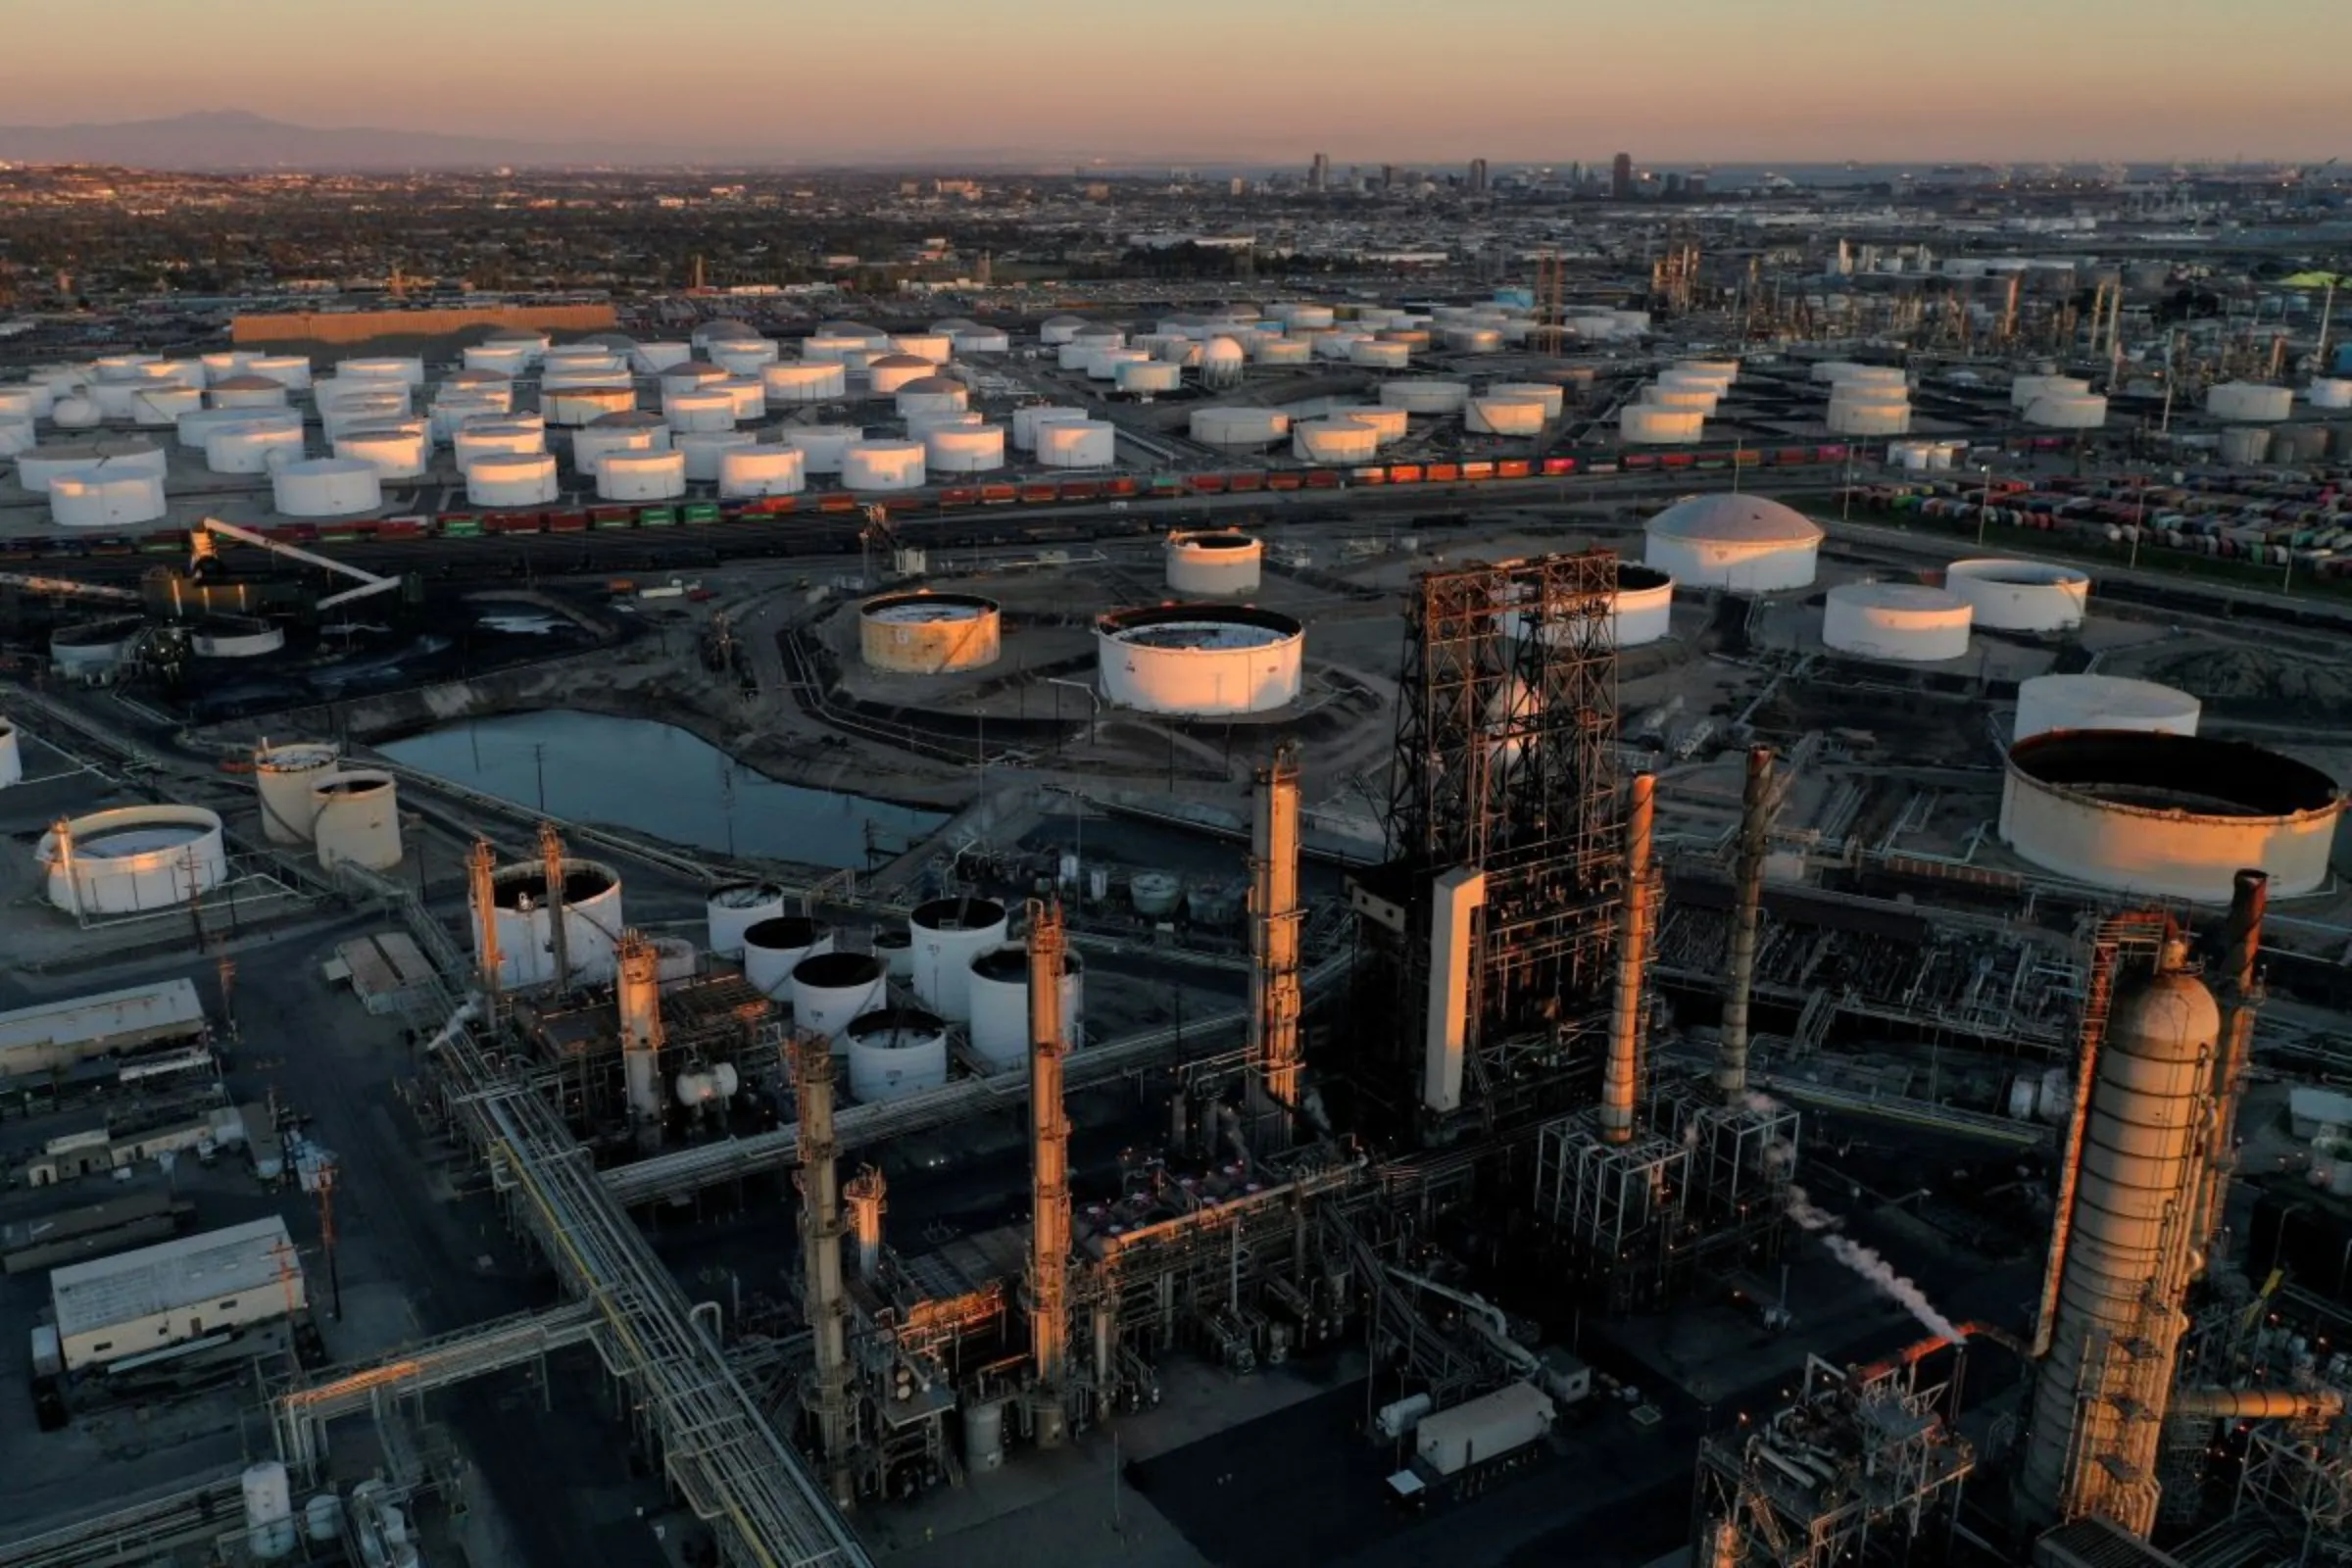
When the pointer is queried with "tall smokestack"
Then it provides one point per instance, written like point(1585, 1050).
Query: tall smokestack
point(1755, 811)
point(480, 862)
point(1048, 1176)
point(551, 855)
point(639, 993)
point(2249, 901)
point(864, 1195)
point(1273, 1044)
point(1624, 1069)
point(820, 1261)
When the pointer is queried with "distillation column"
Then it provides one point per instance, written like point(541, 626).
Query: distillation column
point(550, 855)
point(639, 993)
point(479, 863)
point(2100, 1396)
point(2242, 963)
point(1622, 1079)
point(1050, 1176)
point(1273, 1044)
point(1755, 815)
point(864, 1195)
point(828, 1394)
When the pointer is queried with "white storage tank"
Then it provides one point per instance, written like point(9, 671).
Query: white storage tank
point(948, 933)
point(1644, 424)
point(983, 340)
point(1275, 353)
point(393, 451)
point(134, 858)
point(1375, 355)
point(1474, 340)
point(1905, 622)
point(405, 368)
point(1552, 397)
point(830, 348)
point(805, 381)
point(2242, 445)
point(575, 406)
point(926, 395)
point(999, 1005)
point(703, 451)
point(762, 470)
point(593, 923)
point(2330, 392)
point(98, 497)
point(286, 777)
point(1869, 413)
point(707, 409)
point(1149, 378)
point(965, 449)
point(357, 819)
point(12, 756)
point(1742, 542)
point(1641, 612)
point(654, 358)
point(1055, 330)
point(1333, 441)
point(2029, 596)
point(75, 414)
point(1388, 425)
point(2080, 411)
point(1027, 418)
point(512, 479)
point(1103, 364)
point(270, 1528)
point(1198, 659)
point(1498, 416)
point(1215, 564)
point(17, 435)
point(933, 348)
point(896, 1052)
point(157, 407)
point(2046, 703)
point(831, 989)
point(742, 356)
point(641, 476)
point(1077, 444)
point(883, 466)
point(289, 371)
point(772, 947)
point(735, 908)
point(929, 633)
point(694, 375)
point(825, 448)
point(327, 487)
point(616, 432)
point(2249, 400)
point(894, 370)
point(507, 359)
point(476, 440)
point(895, 948)
point(251, 448)
point(1425, 397)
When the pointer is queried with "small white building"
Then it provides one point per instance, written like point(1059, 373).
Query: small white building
point(158, 1297)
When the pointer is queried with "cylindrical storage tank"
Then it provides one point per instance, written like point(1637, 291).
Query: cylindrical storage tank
point(2245, 445)
point(357, 819)
point(1742, 542)
point(896, 950)
point(134, 858)
point(896, 1052)
point(507, 359)
point(1333, 441)
point(394, 451)
point(706, 409)
point(1644, 424)
point(1239, 428)
point(236, 637)
point(805, 381)
point(2081, 411)
point(155, 408)
point(1198, 659)
point(1375, 355)
point(18, 435)
point(630, 432)
point(926, 395)
point(327, 487)
point(2167, 815)
point(403, 367)
point(1077, 444)
point(641, 476)
point(2330, 392)
point(575, 406)
point(934, 347)
point(1902, 621)
point(1055, 330)
point(1494, 415)
point(831, 989)
point(1642, 611)
point(1104, 363)
point(251, 448)
point(883, 466)
point(929, 633)
point(219, 367)
point(762, 470)
point(1149, 378)
point(894, 370)
point(742, 356)
point(289, 371)
point(593, 923)
point(1275, 353)
point(1025, 422)
point(2020, 595)
point(695, 376)
point(772, 947)
point(719, 329)
point(12, 756)
point(470, 443)
point(651, 359)
point(98, 497)
point(1305, 318)
point(1474, 340)
point(964, 448)
point(948, 933)
point(26, 402)
point(1218, 564)
point(512, 479)
point(1425, 397)
point(1100, 337)
point(1552, 397)
point(983, 340)
point(2250, 401)
point(1000, 1003)
point(830, 348)
point(533, 343)
point(287, 778)
point(454, 411)
point(735, 908)
point(1388, 425)
point(1865, 415)
point(2027, 390)
point(824, 447)
point(2046, 703)
point(703, 451)
point(75, 414)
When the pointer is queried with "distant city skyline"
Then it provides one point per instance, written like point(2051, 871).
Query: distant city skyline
point(1511, 81)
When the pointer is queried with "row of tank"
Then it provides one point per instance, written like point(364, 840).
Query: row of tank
point(1348, 432)
point(1674, 407)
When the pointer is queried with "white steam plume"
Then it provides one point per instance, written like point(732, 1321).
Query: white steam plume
point(1896, 1288)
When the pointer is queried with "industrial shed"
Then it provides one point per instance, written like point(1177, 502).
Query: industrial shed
point(168, 1296)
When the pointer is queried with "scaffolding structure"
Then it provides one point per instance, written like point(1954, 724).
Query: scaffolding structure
point(1866, 1464)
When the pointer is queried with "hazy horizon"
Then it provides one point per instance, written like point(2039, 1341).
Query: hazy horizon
point(1728, 81)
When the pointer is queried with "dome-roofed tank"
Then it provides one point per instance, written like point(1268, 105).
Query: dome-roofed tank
point(947, 934)
point(774, 946)
point(1744, 542)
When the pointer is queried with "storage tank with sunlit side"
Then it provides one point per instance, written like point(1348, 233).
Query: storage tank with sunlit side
point(1340, 440)
point(772, 947)
point(1000, 1003)
point(512, 479)
point(1375, 355)
point(1498, 416)
point(2167, 815)
point(1223, 363)
point(2029, 596)
point(894, 1051)
point(929, 633)
point(1552, 396)
point(2252, 402)
point(357, 819)
point(641, 476)
point(572, 407)
point(734, 908)
point(983, 340)
point(1641, 612)
point(1205, 661)
point(762, 470)
point(742, 356)
point(660, 354)
point(704, 409)
point(401, 451)
point(926, 395)
point(894, 370)
point(327, 487)
point(703, 451)
point(1703, 399)
point(1425, 397)
point(1239, 428)
point(1867, 413)
point(1077, 444)
point(1274, 353)
point(832, 990)
point(634, 431)
point(1147, 377)
point(965, 449)
point(287, 779)
point(1644, 424)
point(525, 922)
point(882, 467)
point(824, 447)
point(97, 497)
point(246, 391)
point(1055, 330)
point(2330, 392)
point(1742, 542)
point(1903, 622)
point(2080, 411)
point(132, 859)
point(1026, 419)
point(935, 348)
point(405, 368)
point(12, 756)
point(2046, 703)
point(948, 933)
point(289, 371)
point(507, 359)
point(1218, 563)
point(476, 440)
point(805, 381)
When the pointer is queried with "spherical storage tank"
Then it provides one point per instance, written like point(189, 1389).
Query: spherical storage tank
point(1239, 428)
point(830, 990)
point(641, 476)
point(1199, 660)
point(2167, 815)
point(134, 858)
point(1077, 444)
point(287, 779)
point(948, 933)
point(928, 633)
point(512, 479)
point(895, 1052)
point(1742, 542)
point(763, 471)
point(526, 946)
point(2046, 703)
point(357, 819)
point(2250, 401)
point(1340, 440)
point(1215, 564)
point(1903, 621)
point(98, 498)
point(1000, 1003)
point(805, 381)
point(1223, 363)
point(883, 466)
point(327, 487)
point(2020, 595)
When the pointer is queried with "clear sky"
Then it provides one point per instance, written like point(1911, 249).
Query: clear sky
point(1366, 80)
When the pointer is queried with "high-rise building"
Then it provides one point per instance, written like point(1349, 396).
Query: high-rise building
point(1478, 176)
point(1620, 177)
point(1388, 176)
point(1318, 173)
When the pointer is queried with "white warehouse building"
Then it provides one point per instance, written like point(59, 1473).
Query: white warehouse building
point(165, 1296)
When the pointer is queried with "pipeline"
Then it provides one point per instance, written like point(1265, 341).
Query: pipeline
point(2249, 899)
point(1624, 1071)
point(2313, 1405)
point(1731, 1060)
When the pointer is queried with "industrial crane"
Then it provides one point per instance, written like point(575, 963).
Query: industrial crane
point(204, 553)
